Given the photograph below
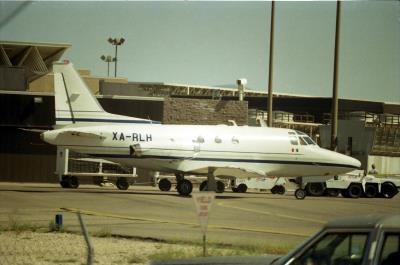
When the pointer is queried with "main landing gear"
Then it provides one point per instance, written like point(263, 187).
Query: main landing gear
point(185, 187)
point(300, 192)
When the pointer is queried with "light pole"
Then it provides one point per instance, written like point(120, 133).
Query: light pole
point(108, 59)
point(116, 42)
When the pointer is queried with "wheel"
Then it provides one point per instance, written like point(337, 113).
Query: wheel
point(354, 191)
point(73, 182)
point(122, 184)
point(242, 188)
point(65, 182)
point(235, 189)
point(281, 190)
point(332, 192)
point(203, 186)
point(370, 191)
point(389, 190)
point(164, 185)
point(184, 187)
point(300, 194)
point(220, 187)
point(274, 190)
point(344, 193)
point(315, 189)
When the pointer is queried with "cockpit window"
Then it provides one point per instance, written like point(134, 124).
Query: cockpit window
point(302, 141)
point(309, 140)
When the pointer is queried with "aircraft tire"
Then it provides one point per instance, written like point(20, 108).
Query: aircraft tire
point(281, 190)
point(370, 191)
point(73, 182)
point(220, 187)
point(122, 184)
point(332, 192)
point(164, 185)
point(274, 189)
point(242, 188)
point(300, 194)
point(315, 189)
point(65, 182)
point(234, 189)
point(203, 186)
point(184, 187)
point(354, 191)
point(389, 190)
point(345, 193)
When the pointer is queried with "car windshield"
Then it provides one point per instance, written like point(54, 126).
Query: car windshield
point(335, 248)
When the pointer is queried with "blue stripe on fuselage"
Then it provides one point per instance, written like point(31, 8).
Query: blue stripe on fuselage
point(108, 120)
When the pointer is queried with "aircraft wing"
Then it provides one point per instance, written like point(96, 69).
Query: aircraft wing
point(240, 172)
point(233, 171)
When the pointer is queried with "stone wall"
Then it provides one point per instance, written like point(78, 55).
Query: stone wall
point(204, 111)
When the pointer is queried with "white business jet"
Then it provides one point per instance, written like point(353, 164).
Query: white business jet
point(216, 150)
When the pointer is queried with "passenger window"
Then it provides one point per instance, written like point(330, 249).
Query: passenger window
point(293, 140)
point(235, 140)
point(336, 249)
point(218, 140)
point(199, 140)
point(391, 249)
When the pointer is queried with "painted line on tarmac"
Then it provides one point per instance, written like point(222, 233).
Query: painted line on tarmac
point(222, 204)
point(161, 221)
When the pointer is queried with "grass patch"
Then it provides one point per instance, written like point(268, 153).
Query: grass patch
point(102, 232)
point(69, 260)
point(53, 227)
point(135, 258)
point(18, 227)
point(215, 249)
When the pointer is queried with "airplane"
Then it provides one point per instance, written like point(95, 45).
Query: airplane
point(83, 126)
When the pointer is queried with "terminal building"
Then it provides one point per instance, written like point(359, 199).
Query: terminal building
point(368, 131)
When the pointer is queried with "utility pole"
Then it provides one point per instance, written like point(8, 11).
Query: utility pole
point(116, 42)
point(108, 59)
point(335, 101)
point(271, 62)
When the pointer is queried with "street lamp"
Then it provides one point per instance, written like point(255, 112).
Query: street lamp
point(116, 42)
point(108, 59)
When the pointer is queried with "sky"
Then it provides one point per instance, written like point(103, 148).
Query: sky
point(216, 43)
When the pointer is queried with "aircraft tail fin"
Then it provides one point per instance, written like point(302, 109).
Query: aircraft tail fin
point(75, 103)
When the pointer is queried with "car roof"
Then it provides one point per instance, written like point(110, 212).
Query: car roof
point(366, 221)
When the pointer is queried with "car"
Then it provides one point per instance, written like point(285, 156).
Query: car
point(361, 240)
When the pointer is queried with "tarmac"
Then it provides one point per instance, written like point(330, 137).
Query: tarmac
point(144, 212)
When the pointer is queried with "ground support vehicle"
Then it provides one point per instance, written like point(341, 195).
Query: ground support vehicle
point(361, 240)
point(353, 185)
point(71, 169)
point(275, 184)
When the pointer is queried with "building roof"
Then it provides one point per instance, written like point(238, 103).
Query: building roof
point(36, 58)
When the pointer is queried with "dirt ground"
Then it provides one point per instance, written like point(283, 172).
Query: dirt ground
point(66, 248)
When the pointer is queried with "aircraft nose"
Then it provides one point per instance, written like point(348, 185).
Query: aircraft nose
point(353, 162)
